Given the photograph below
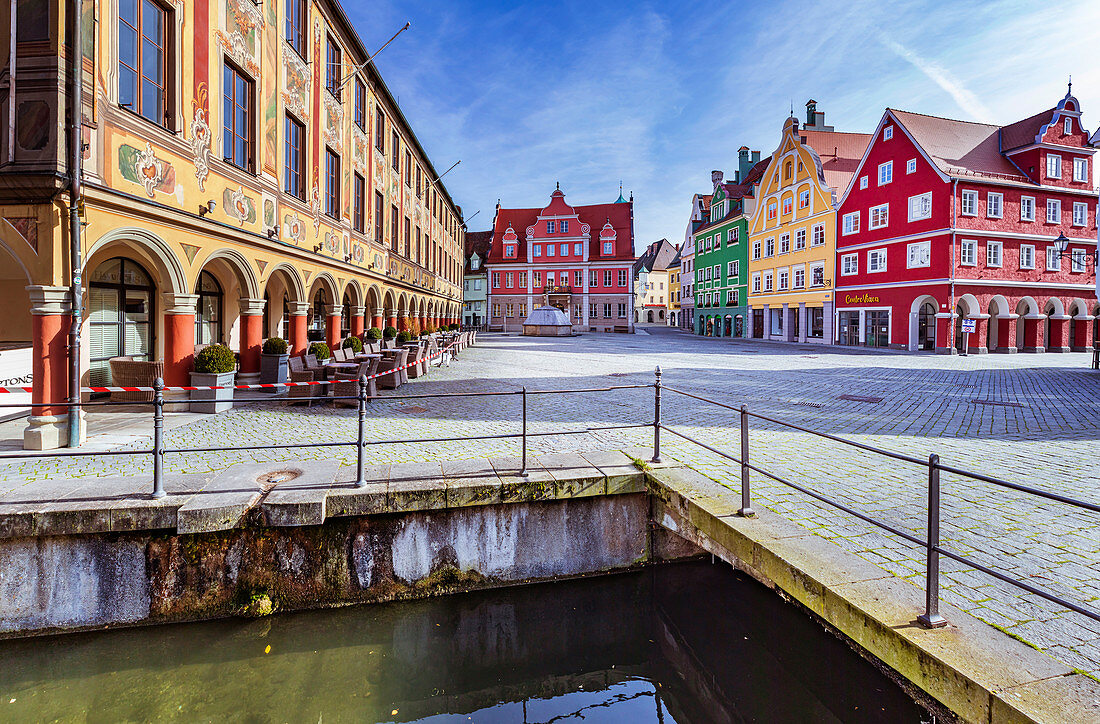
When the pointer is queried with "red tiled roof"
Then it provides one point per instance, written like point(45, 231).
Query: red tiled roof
point(477, 242)
point(620, 216)
point(840, 154)
point(1023, 133)
point(962, 148)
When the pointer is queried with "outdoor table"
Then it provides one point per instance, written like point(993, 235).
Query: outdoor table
point(333, 367)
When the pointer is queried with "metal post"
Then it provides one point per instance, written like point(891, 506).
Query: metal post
point(746, 505)
point(931, 617)
point(657, 415)
point(362, 440)
point(158, 438)
point(523, 469)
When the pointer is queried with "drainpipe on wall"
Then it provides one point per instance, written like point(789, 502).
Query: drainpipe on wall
point(76, 152)
point(951, 294)
point(11, 87)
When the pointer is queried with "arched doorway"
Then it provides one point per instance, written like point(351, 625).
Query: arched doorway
point(926, 327)
point(345, 317)
point(649, 316)
point(121, 298)
point(739, 326)
point(960, 315)
point(318, 310)
point(728, 327)
point(209, 312)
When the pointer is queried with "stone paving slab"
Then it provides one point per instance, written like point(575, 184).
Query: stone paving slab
point(301, 500)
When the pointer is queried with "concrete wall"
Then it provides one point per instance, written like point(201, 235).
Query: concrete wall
point(67, 582)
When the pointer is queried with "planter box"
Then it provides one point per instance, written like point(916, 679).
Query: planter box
point(211, 401)
point(274, 368)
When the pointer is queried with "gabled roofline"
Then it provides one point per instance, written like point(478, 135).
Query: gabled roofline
point(889, 113)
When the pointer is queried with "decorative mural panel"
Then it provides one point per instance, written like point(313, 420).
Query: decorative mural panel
point(271, 106)
point(334, 123)
point(296, 84)
point(293, 227)
point(332, 242)
point(200, 137)
point(238, 206)
point(144, 168)
point(241, 37)
point(359, 143)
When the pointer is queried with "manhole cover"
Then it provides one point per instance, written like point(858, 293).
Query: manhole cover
point(617, 374)
point(860, 398)
point(269, 480)
point(800, 403)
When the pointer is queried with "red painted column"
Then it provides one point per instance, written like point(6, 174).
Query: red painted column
point(1031, 332)
point(423, 322)
point(945, 341)
point(358, 321)
point(391, 321)
point(1081, 333)
point(179, 337)
point(252, 311)
point(979, 339)
point(298, 338)
point(377, 321)
point(402, 322)
point(1006, 333)
point(332, 328)
point(50, 316)
point(1057, 341)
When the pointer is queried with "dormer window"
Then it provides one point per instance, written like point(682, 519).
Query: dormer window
point(475, 262)
point(549, 227)
point(1069, 126)
point(608, 248)
point(510, 250)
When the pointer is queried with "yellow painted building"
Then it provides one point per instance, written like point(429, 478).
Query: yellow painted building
point(244, 176)
point(792, 232)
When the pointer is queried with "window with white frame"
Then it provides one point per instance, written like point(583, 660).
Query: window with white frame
point(549, 227)
point(710, 272)
point(885, 173)
point(968, 252)
point(1027, 256)
point(920, 206)
point(918, 254)
point(769, 248)
point(849, 264)
point(496, 280)
point(818, 237)
point(1080, 169)
point(1080, 213)
point(800, 277)
point(911, 166)
point(607, 277)
point(1054, 166)
point(800, 240)
point(784, 275)
point(876, 260)
point(756, 250)
point(969, 205)
point(717, 271)
point(593, 278)
point(851, 223)
point(1027, 208)
point(1067, 127)
point(756, 283)
point(622, 309)
point(536, 278)
point(538, 250)
point(994, 205)
point(1054, 262)
point(550, 248)
point(785, 244)
point(803, 198)
point(887, 133)
point(862, 182)
point(732, 268)
point(1077, 261)
point(731, 235)
point(608, 248)
point(732, 298)
point(993, 253)
point(578, 279)
point(767, 281)
point(878, 216)
point(1054, 211)
point(817, 275)
point(578, 249)
point(622, 277)
point(564, 224)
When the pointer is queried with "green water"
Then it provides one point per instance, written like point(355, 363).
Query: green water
point(675, 644)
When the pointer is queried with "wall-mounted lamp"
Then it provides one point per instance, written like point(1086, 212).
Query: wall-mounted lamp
point(208, 207)
point(273, 232)
point(347, 258)
point(318, 248)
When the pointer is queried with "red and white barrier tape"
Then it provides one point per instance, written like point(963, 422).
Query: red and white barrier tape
point(262, 386)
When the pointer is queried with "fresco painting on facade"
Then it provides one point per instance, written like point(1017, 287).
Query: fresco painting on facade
point(953, 220)
point(792, 231)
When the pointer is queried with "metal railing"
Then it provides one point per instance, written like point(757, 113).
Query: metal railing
point(931, 617)
point(931, 543)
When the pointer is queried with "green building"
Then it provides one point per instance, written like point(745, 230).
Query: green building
point(721, 270)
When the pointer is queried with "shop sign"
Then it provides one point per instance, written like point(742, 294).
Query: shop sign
point(15, 371)
point(860, 299)
point(969, 326)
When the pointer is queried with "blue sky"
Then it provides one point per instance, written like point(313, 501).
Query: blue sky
point(659, 94)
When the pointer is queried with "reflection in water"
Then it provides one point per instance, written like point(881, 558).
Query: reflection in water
point(675, 644)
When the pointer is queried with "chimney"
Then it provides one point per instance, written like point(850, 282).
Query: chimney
point(811, 111)
point(716, 178)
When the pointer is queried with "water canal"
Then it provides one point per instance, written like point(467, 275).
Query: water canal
point(675, 644)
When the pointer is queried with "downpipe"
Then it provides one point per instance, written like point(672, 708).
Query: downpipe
point(76, 152)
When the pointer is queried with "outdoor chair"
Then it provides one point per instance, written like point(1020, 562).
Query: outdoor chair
point(340, 354)
point(130, 372)
point(393, 381)
point(298, 372)
point(347, 384)
point(372, 347)
point(415, 358)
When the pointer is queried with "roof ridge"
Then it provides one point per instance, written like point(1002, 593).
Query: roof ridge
point(945, 118)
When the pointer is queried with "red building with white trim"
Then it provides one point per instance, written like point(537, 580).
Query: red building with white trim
point(576, 258)
point(948, 220)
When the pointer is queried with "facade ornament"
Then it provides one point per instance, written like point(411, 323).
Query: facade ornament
point(149, 169)
point(200, 138)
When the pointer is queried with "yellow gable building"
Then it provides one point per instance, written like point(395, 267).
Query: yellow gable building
point(792, 232)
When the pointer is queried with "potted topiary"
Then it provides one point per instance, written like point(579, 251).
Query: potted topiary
point(273, 362)
point(319, 350)
point(374, 333)
point(403, 337)
point(215, 366)
point(453, 327)
point(354, 342)
point(389, 332)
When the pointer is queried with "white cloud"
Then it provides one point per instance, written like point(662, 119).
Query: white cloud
point(966, 100)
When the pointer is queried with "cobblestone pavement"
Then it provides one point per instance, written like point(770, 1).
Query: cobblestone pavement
point(1032, 419)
